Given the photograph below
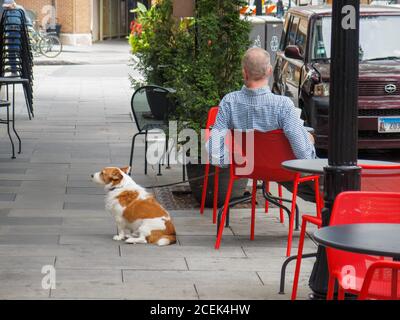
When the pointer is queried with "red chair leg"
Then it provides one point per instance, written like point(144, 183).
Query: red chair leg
point(317, 197)
point(267, 187)
point(223, 218)
point(253, 209)
point(205, 185)
point(299, 258)
point(280, 193)
point(340, 293)
point(215, 202)
point(292, 216)
point(331, 288)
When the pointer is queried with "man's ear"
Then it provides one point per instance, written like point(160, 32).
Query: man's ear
point(270, 70)
point(126, 170)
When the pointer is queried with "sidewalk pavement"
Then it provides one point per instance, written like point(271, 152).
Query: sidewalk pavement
point(106, 52)
point(52, 214)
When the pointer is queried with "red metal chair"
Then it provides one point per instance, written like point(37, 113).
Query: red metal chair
point(376, 272)
point(267, 166)
point(361, 207)
point(212, 116)
point(373, 178)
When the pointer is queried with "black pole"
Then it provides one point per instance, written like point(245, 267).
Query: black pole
point(342, 174)
point(259, 10)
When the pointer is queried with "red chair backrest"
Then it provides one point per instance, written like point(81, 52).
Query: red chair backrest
point(360, 207)
point(264, 157)
point(366, 207)
point(376, 178)
point(212, 117)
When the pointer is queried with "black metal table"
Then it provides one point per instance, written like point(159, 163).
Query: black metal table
point(377, 239)
point(13, 82)
point(316, 166)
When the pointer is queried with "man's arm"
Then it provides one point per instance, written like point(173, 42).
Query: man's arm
point(218, 153)
point(300, 140)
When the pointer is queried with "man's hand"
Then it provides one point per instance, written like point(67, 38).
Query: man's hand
point(311, 138)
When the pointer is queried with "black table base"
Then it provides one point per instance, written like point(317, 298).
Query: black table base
point(268, 196)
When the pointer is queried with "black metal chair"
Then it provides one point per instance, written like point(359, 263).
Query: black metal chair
point(7, 121)
point(151, 106)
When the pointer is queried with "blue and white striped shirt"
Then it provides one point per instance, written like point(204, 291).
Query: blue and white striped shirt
point(259, 110)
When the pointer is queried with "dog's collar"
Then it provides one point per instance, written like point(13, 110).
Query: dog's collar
point(114, 188)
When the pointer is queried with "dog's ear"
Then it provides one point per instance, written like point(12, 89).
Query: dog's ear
point(116, 175)
point(126, 170)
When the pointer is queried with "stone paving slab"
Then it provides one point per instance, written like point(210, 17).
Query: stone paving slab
point(7, 196)
point(235, 264)
point(145, 263)
point(56, 213)
point(8, 183)
point(156, 278)
point(137, 252)
point(84, 290)
point(28, 276)
point(23, 263)
point(70, 276)
point(88, 251)
point(82, 206)
point(235, 292)
point(31, 239)
point(23, 292)
point(104, 240)
point(13, 221)
point(35, 201)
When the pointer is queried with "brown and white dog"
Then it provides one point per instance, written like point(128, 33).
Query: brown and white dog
point(139, 217)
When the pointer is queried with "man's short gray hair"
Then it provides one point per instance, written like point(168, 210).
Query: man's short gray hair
point(256, 62)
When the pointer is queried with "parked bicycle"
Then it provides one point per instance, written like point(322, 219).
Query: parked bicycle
point(47, 44)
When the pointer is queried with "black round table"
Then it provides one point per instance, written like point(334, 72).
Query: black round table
point(317, 166)
point(377, 239)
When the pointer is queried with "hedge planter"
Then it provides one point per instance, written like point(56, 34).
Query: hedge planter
point(197, 170)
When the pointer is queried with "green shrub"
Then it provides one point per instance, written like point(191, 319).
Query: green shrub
point(200, 57)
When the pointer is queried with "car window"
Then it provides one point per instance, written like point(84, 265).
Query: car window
point(321, 39)
point(377, 40)
point(285, 32)
point(301, 38)
point(293, 31)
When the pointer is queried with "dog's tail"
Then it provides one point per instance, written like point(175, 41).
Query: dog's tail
point(166, 240)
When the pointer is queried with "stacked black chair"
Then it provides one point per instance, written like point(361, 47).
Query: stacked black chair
point(16, 63)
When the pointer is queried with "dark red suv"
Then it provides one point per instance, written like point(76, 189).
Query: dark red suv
point(302, 72)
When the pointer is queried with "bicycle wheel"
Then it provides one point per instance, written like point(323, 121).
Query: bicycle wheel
point(50, 46)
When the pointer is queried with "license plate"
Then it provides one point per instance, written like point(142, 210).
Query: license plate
point(389, 124)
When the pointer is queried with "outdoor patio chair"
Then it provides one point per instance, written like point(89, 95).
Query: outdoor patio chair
point(374, 179)
point(212, 117)
point(267, 166)
point(361, 207)
point(374, 274)
point(151, 106)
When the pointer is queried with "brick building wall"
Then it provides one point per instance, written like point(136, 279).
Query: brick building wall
point(75, 16)
point(36, 6)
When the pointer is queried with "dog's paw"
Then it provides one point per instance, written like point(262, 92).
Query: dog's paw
point(135, 240)
point(118, 238)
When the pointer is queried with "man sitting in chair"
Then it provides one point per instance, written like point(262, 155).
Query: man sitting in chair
point(256, 107)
